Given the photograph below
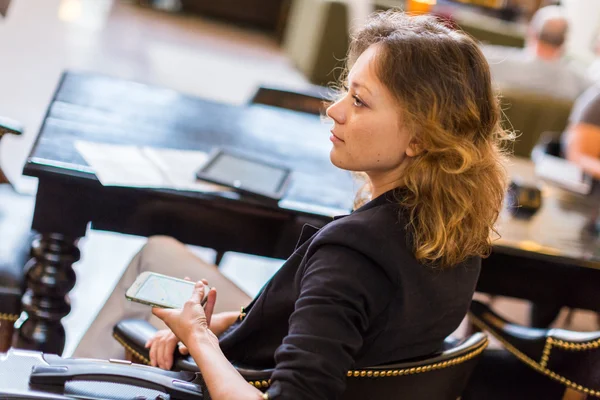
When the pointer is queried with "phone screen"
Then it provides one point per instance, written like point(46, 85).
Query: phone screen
point(165, 291)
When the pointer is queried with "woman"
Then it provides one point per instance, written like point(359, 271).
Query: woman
point(394, 278)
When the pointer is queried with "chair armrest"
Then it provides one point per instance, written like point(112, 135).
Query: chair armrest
point(134, 333)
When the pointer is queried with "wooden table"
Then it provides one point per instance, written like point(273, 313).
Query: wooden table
point(551, 257)
point(102, 109)
point(108, 110)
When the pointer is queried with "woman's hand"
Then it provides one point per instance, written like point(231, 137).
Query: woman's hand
point(162, 346)
point(192, 319)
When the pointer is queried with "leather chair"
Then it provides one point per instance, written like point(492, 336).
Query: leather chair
point(501, 376)
point(265, 14)
point(531, 114)
point(316, 38)
point(442, 376)
point(567, 357)
point(310, 100)
point(16, 212)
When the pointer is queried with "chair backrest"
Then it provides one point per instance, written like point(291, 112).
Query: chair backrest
point(531, 114)
point(571, 358)
point(442, 377)
point(311, 100)
point(316, 38)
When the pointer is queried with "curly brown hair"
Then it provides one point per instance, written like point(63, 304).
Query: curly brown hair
point(455, 186)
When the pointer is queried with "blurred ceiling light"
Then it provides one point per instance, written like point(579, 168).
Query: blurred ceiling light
point(89, 14)
point(69, 10)
point(419, 6)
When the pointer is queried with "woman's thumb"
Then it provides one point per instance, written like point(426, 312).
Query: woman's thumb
point(183, 349)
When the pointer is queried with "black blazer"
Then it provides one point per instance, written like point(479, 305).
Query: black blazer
point(351, 295)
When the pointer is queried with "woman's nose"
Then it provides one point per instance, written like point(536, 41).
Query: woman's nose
point(336, 112)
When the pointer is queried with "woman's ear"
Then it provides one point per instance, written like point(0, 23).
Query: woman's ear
point(413, 149)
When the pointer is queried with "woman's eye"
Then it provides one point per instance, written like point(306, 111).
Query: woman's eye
point(357, 102)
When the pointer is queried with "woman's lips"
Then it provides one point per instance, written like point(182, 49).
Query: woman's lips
point(335, 139)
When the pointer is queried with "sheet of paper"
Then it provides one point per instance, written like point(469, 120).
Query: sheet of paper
point(563, 173)
point(146, 167)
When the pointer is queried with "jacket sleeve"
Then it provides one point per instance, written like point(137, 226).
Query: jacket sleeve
point(340, 293)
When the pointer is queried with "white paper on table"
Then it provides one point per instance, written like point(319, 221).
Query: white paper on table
point(147, 167)
point(563, 173)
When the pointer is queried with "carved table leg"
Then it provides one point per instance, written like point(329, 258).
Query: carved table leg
point(49, 277)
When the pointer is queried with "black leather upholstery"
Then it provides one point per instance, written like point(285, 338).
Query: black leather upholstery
point(442, 376)
point(568, 357)
point(500, 376)
point(16, 212)
point(310, 100)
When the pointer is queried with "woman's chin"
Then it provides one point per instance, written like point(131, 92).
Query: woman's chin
point(334, 159)
point(338, 162)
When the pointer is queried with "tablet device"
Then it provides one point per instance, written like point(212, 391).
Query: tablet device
point(246, 175)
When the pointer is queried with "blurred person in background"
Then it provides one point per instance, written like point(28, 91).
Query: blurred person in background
point(539, 67)
point(581, 140)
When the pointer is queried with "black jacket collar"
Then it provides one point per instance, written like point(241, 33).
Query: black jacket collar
point(391, 196)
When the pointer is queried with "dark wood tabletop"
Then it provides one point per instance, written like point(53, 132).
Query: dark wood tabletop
point(559, 231)
point(103, 109)
point(548, 252)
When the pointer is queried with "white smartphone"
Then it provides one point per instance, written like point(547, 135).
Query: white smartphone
point(162, 291)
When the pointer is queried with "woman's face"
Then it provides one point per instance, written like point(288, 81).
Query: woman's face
point(368, 135)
